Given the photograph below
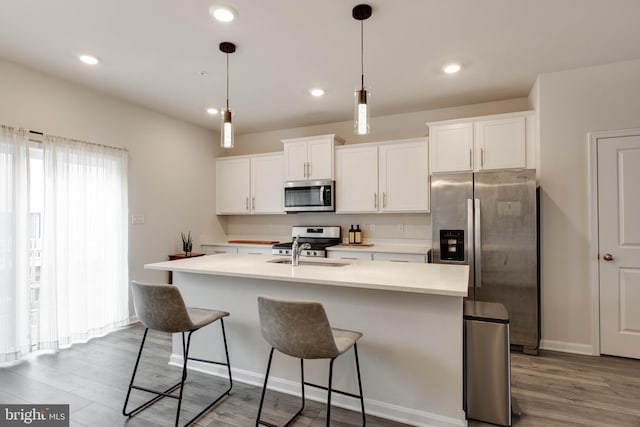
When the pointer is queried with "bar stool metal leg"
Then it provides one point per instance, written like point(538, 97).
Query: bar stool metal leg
point(355, 352)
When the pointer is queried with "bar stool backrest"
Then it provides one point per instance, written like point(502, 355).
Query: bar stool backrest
point(160, 307)
point(297, 328)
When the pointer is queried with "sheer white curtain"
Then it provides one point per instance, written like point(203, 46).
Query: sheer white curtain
point(63, 242)
point(84, 281)
point(14, 243)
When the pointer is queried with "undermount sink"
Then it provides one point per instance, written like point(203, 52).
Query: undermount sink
point(319, 263)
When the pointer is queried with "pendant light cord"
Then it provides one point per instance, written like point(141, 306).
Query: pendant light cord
point(362, 52)
point(227, 82)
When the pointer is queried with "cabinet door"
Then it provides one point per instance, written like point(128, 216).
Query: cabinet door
point(295, 161)
point(232, 186)
point(320, 159)
point(266, 184)
point(500, 143)
point(356, 179)
point(404, 177)
point(451, 147)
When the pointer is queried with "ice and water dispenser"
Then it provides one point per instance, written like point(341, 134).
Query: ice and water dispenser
point(452, 245)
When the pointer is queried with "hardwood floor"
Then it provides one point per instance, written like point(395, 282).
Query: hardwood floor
point(553, 389)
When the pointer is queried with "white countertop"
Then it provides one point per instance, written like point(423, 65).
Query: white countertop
point(436, 279)
point(377, 247)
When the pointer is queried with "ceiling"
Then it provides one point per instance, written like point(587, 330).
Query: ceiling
point(164, 54)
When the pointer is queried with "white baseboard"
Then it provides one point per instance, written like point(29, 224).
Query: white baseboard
point(568, 347)
point(372, 407)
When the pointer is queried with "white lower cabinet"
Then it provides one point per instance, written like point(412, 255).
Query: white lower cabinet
point(362, 254)
point(349, 255)
point(249, 185)
point(216, 249)
point(392, 176)
point(399, 257)
point(252, 250)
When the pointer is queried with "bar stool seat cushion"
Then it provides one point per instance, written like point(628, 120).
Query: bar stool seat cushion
point(345, 339)
point(201, 317)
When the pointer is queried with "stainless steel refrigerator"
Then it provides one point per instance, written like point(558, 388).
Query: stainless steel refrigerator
point(489, 220)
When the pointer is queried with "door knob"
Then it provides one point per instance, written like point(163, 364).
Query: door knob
point(607, 257)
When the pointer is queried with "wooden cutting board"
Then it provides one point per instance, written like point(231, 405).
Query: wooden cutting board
point(254, 242)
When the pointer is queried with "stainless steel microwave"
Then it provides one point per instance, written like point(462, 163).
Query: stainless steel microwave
point(309, 196)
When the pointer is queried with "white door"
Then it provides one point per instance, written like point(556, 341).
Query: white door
point(619, 244)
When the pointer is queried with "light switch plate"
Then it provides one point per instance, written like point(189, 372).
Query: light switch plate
point(137, 219)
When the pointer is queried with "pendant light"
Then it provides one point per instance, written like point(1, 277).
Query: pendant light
point(361, 125)
point(226, 129)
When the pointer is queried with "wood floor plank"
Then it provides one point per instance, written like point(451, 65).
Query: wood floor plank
point(553, 389)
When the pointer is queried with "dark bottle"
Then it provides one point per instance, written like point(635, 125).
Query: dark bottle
point(352, 235)
point(358, 235)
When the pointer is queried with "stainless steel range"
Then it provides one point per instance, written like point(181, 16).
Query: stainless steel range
point(319, 237)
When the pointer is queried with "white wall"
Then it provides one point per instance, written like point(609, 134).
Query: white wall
point(171, 163)
point(571, 104)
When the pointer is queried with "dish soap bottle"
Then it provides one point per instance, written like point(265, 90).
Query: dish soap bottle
point(358, 235)
point(352, 235)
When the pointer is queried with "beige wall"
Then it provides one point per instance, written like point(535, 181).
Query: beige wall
point(171, 163)
point(571, 104)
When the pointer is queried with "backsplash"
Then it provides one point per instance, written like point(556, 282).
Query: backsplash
point(391, 228)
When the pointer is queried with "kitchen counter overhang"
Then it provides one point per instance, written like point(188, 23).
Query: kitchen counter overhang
point(435, 279)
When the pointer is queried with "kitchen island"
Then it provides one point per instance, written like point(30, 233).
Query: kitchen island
point(410, 316)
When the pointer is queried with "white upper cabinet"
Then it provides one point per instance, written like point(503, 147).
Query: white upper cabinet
point(309, 157)
point(383, 177)
point(233, 181)
point(451, 147)
point(357, 178)
point(249, 185)
point(503, 141)
point(266, 184)
point(404, 176)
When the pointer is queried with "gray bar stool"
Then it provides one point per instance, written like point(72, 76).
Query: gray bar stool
point(160, 307)
point(301, 329)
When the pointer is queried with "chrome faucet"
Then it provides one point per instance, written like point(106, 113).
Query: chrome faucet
point(296, 248)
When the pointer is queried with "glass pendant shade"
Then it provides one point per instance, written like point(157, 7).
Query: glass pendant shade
point(226, 130)
point(361, 121)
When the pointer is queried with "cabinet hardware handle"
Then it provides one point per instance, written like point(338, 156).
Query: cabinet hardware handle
point(384, 199)
point(253, 203)
point(254, 253)
point(470, 159)
point(399, 260)
point(246, 203)
point(375, 200)
point(308, 169)
point(482, 157)
point(346, 257)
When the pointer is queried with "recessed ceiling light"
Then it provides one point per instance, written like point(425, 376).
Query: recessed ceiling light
point(89, 59)
point(222, 13)
point(451, 68)
point(317, 92)
point(212, 111)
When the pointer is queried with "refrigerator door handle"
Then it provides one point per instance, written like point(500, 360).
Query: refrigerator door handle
point(477, 243)
point(470, 248)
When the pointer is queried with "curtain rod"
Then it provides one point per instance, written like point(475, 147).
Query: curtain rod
point(79, 140)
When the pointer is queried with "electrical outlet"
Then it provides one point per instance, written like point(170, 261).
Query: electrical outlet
point(137, 219)
point(400, 228)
